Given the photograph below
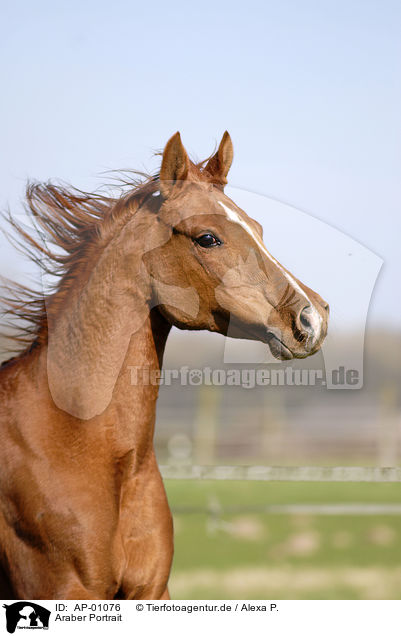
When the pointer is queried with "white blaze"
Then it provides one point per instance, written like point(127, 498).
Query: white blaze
point(314, 316)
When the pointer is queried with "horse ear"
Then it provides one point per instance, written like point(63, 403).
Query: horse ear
point(219, 165)
point(175, 165)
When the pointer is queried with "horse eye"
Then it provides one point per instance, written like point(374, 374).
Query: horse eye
point(208, 240)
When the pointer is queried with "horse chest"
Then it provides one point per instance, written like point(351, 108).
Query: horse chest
point(145, 532)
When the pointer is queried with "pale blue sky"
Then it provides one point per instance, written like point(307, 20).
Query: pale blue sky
point(309, 91)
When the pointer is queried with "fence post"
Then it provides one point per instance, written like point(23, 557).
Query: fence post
point(206, 420)
point(273, 416)
point(388, 427)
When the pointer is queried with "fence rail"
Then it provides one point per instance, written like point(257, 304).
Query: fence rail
point(214, 509)
point(284, 473)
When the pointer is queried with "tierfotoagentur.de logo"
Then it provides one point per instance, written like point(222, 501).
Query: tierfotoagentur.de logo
point(26, 615)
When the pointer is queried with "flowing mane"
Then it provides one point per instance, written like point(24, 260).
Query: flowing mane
point(83, 510)
point(77, 224)
point(71, 224)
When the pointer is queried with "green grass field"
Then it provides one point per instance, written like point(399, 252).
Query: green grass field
point(226, 548)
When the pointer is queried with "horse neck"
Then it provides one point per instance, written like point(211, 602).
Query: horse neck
point(131, 412)
point(103, 329)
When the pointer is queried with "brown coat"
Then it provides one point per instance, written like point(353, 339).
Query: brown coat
point(83, 511)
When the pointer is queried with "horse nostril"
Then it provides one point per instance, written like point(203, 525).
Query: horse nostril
point(305, 318)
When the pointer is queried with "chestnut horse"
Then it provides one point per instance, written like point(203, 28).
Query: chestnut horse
point(83, 510)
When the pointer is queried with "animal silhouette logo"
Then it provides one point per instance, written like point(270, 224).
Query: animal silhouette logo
point(26, 615)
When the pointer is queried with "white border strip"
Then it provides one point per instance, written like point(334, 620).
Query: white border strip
point(283, 473)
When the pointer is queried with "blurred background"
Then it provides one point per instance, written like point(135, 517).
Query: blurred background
point(310, 95)
point(237, 539)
